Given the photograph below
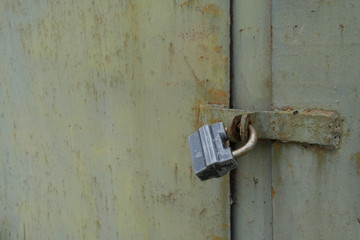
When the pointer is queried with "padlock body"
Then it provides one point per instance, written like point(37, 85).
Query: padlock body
point(211, 157)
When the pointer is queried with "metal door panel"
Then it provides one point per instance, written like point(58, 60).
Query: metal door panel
point(315, 65)
point(314, 52)
point(251, 62)
point(97, 100)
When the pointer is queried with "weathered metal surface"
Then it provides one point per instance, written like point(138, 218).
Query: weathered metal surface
point(315, 64)
point(251, 62)
point(303, 126)
point(97, 99)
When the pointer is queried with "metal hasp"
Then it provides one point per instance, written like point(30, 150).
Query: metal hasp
point(303, 126)
point(212, 158)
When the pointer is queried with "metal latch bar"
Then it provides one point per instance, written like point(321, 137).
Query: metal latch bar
point(303, 126)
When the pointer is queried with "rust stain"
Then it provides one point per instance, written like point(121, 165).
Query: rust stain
point(225, 226)
point(356, 156)
point(272, 192)
point(242, 29)
point(176, 168)
point(202, 211)
point(98, 223)
point(276, 145)
point(218, 49)
point(214, 120)
point(215, 237)
point(169, 197)
point(196, 109)
point(207, 90)
point(210, 92)
point(220, 96)
point(287, 108)
point(187, 3)
point(198, 123)
point(98, 19)
point(171, 49)
point(212, 9)
point(289, 164)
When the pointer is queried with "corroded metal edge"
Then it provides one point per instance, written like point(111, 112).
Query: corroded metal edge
point(303, 126)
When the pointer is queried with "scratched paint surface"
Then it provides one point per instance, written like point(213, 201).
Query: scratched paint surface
point(97, 99)
point(315, 61)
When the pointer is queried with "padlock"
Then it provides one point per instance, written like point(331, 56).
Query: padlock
point(211, 156)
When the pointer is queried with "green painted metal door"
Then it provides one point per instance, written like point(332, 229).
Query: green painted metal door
point(298, 55)
point(97, 99)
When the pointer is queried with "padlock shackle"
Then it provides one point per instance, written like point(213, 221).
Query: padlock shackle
point(249, 145)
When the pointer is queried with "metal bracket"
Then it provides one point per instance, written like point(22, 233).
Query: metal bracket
point(303, 126)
